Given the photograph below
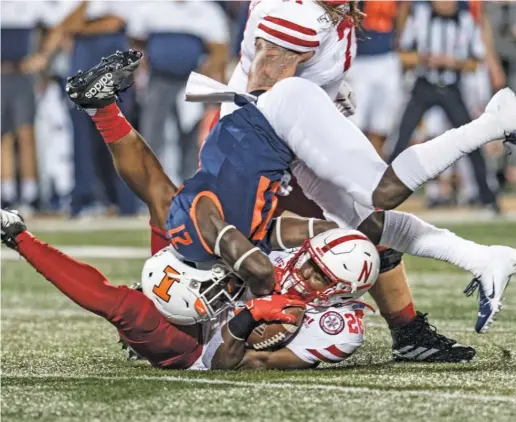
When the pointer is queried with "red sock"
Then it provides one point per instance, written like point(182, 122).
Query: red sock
point(401, 317)
point(110, 122)
point(82, 283)
point(158, 239)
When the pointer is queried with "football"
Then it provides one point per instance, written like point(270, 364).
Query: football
point(271, 336)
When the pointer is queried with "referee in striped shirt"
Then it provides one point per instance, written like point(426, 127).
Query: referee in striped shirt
point(441, 41)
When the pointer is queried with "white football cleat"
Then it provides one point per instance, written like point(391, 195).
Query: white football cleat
point(492, 282)
point(503, 107)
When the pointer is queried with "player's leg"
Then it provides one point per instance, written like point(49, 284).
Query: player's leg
point(134, 160)
point(391, 293)
point(8, 170)
point(24, 112)
point(413, 338)
point(134, 315)
point(408, 234)
point(306, 119)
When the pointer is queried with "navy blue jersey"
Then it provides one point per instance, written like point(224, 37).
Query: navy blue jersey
point(242, 163)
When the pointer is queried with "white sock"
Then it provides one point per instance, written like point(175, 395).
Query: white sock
point(409, 234)
point(420, 163)
point(29, 191)
point(8, 190)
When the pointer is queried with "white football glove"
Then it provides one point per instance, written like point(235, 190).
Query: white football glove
point(346, 102)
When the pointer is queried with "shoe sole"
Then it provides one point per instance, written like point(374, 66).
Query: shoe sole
point(492, 317)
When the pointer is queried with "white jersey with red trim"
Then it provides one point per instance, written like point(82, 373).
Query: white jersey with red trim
point(329, 334)
point(301, 26)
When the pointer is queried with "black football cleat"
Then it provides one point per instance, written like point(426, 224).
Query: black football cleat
point(12, 224)
point(419, 341)
point(101, 85)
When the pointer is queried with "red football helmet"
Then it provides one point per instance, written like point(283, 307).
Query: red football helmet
point(348, 261)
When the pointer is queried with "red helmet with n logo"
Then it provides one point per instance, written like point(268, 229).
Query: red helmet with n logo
point(347, 258)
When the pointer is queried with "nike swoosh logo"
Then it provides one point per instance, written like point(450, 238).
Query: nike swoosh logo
point(492, 295)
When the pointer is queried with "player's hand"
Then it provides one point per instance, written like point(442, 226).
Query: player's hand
point(270, 308)
point(346, 101)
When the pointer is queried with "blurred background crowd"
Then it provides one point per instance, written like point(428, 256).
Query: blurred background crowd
point(414, 78)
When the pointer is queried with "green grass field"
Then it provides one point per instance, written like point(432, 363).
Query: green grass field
point(60, 363)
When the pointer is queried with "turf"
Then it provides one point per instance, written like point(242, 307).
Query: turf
point(60, 363)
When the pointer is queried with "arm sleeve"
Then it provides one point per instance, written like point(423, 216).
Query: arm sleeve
point(290, 26)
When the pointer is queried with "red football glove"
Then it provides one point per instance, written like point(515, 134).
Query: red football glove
point(270, 308)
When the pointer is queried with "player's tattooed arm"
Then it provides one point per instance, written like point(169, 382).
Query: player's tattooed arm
point(272, 63)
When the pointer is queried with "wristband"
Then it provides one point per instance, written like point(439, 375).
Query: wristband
point(242, 325)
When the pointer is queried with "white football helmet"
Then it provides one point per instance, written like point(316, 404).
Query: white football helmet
point(347, 258)
point(187, 295)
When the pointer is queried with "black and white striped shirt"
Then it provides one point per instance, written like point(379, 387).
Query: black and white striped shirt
point(431, 34)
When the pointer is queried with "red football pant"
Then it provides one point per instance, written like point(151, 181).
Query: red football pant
point(134, 315)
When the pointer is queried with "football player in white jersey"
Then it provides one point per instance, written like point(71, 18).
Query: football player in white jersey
point(288, 44)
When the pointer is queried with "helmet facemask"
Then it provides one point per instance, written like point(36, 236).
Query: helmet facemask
point(294, 283)
point(218, 293)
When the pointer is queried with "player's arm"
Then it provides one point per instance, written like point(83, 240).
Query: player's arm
point(232, 353)
point(105, 25)
point(291, 232)
point(54, 38)
point(271, 64)
point(492, 59)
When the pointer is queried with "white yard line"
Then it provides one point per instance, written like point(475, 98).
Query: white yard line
point(108, 252)
point(142, 222)
point(280, 386)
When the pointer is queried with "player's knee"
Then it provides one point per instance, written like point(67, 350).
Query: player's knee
point(291, 89)
point(373, 225)
point(389, 260)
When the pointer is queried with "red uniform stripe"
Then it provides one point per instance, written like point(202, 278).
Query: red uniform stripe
point(288, 38)
point(291, 25)
point(342, 239)
point(347, 63)
point(320, 356)
point(337, 352)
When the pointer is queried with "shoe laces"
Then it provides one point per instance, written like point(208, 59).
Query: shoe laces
point(471, 287)
point(430, 330)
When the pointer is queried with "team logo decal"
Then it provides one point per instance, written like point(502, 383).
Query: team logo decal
point(332, 323)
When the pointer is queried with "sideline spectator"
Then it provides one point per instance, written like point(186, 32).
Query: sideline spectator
point(19, 20)
point(178, 37)
point(379, 93)
point(98, 29)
